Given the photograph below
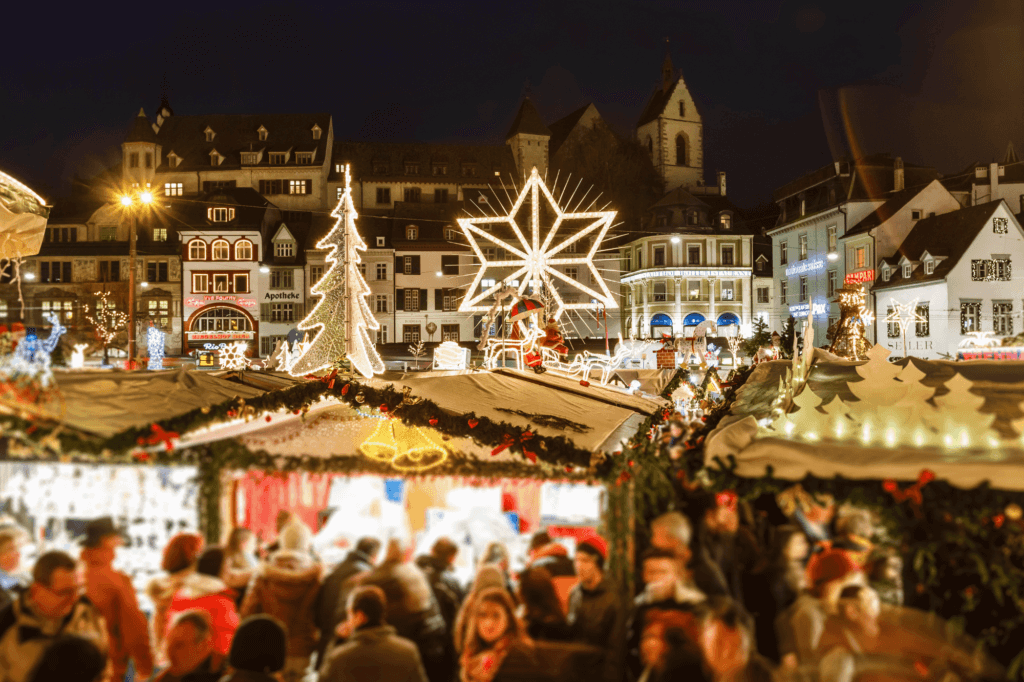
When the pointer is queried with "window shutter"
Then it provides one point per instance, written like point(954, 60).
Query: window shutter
point(231, 214)
point(67, 272)
point(399, 299)
point(298, 311)
point(438, 299)
point(209, 214)
point(399, 265)
point(309, 186)
point(415, 265)
point(264, 311)
point(423, 299)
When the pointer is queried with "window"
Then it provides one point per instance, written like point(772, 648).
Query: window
point(156, 271)
point(1002, 318)
point(682, 108)
point(681, 150)
point(278, 158)
point(725, 220)
point(382, 334)
point(762, 294)
point(362, 270)
point(727, 255)
point(407, 268)
point(803, 288)
point(215, 158)
point(783, 253)
point(62, 234)
point(860, 257)
point(241, 283)
point(411, 233)
point(243, 249)
point(380, 242)
point(833, 283)
point(885, 274)
point(159, 234)
point(929, 267)
point(222, 320)
point(802, 241)
point(269, 343)
point(659, 255)
point(439, 170)
point(220, 284)
point(209, 134)
point(299, 186)
point(282, 312)
point(450, 332)
point(907, 268)
point(572, 273)
point(221, 215)
point(159, 311)
point(316, 273)
point(692, 217)
point(200, 283)
point(441, 195)
point(450, 300)
point(304, 158)
point(64, 308)
point(1002, 225)
point(55, 272)
point(383, 195)
point(728, 290)
point(1001, 269)
point(760, 263)
point(803, 206)
point(173, 189)
point(412, 194)
point(133, 160)
point(382, 271)
point(110, 271)
point(197, 250)
point(316, 132)
point(832, 244)
point(627, 262)
point(338, 192)
point(412, 300)
point(411, 333)
point(284, 249)
point(250, 158)
point(412, 169)
point(382, 303)
point(783, 285)
point(970, 316)
point(693, 288)
point(915, 214)
point(922, 327)
point(221, 250)
point(693, 254)
point(892, 327)
point(281, 278)
point(469, 171)
point(660, 292)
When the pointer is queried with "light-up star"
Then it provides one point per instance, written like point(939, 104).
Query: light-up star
point(534, 256)
point(903, 315)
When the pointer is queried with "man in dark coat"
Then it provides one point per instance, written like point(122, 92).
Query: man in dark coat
point(725, 552)
point(330, 602)
point(596, 615)
point(437, 566)
point(374, 652)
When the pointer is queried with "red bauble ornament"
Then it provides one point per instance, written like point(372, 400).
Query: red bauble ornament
point(584, 382)
point(231, 413)
point(433, 421)
point(472, 423)
point(383, 408)
point(267, 418)
point(998, 520)
point(295, 411)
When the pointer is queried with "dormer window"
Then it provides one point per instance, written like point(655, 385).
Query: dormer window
point(469, 171)
point(916, 214)
point(284, 249)
point(220, 215)
point(906, 270)
point(885, 274)
point(316, 132)
point(250, 158)
point(380, 169)
point(262, 132)
point(215, 158)
point(412, 233)
point(412, 168)
point(304, 158)
point(439, 169)
point(209, 134)
point(278, 158)
point(726, 221)
point(380, 242)
point(929, 267)
point(173, 160)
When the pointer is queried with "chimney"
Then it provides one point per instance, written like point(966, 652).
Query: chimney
point(993, 179)
point(897, 175)
point(721, 183)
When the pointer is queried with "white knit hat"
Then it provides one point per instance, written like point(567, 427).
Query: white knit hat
point(295, 537)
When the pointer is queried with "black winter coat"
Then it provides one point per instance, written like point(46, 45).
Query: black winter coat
point(330, 602)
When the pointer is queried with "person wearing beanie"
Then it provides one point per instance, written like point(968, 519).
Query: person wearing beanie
point(596, 615)
point(286, 587)
point(374, 652)
point(725, 552)
point(258, 651)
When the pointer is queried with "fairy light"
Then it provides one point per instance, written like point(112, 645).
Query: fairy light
point(342, 315)
point(902, 315)
point(533, 259)
point(155, 345)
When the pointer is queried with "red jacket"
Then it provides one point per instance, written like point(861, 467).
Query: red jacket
point(113, 595)
point(206, 593)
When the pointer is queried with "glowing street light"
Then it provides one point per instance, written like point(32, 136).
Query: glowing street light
point(128, 201)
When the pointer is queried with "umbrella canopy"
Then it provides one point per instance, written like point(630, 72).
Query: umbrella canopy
point(525, 307)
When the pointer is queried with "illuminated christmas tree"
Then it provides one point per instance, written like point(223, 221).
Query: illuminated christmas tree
point(342, 314)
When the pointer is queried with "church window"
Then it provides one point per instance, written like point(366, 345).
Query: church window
point(681, 150)
point(682, 109)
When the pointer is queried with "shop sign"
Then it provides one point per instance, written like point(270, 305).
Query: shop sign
point(645, 274)
point(200, 301)
point(283, 296)
point(220, 336)
point(801, 309)
point(803, 267)
point(1001, 353)
point(858, 277)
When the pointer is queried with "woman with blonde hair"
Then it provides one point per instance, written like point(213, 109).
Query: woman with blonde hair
point(497, 648)
point(487, 577)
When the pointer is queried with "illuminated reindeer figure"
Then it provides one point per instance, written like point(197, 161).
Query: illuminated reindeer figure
point(495, 349)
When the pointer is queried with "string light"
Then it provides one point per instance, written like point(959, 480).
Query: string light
point(902, 315)
point(535, 259)
point(342, 314)
point(155, 346)
point(30, 361)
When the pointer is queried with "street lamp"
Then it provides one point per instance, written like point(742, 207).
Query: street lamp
point(130, 203)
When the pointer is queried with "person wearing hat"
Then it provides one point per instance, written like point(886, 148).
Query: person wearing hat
point(596, 615)
point(113, 595)
point(258, 650)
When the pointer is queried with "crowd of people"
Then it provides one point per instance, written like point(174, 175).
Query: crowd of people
point(726, 594)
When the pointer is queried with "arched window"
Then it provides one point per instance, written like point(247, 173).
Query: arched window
point(221, 320)
point(221, 250)
point(243, 249)
point(681, 159)
point(197, 250)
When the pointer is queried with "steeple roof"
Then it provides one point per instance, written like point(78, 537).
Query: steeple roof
point(528, 121)
point(141, 130)
point(1011, 154)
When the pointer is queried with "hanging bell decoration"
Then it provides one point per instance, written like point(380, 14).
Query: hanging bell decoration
point(381, 444)
point(417, 450)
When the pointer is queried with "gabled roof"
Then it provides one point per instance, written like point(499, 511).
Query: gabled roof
point(713, 204)
point(891, 207)
point(1011, 154)
point(762, 251)
point(867, 178)
point(656, 103)
point(251, 210)
point(141, 130)
point(946, 236)
point(527, 121)
point(563, 127)
point(367, 158)
point(298, 230)
point(237, 133)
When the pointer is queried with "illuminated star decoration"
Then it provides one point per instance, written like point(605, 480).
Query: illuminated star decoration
point(536, 254)
point(903, 315)
point(232, 356)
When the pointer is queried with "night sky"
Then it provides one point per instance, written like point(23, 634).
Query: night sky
point(938, 83)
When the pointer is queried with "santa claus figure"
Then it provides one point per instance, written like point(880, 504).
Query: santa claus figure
point(553, 338)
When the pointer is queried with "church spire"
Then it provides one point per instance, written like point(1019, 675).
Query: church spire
point(667, 70)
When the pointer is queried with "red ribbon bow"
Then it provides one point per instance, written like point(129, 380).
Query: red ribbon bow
point(508, 441)
point(913, 492)
point(329, 379)
point(158, 435)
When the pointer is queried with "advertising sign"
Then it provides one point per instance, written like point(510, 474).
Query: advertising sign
point(1001, 353)
point(803, 267)
point(200, 301)
point(858, 277)
point(220, 336)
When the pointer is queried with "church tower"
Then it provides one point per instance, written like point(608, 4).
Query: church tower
point(529, 139)
point(672, 131)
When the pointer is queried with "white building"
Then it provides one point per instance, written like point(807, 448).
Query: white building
point(282, 284)
point(955, 271)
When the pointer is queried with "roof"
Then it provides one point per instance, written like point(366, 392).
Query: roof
point(867, 178)
point(527, 121)
point(762, 246)
point(947, 236)
point(713, 204)
point(1011, 154)
point(237, 133)
point(887, 210)
point(1012, 173)
point(656, 104)
point(300, 230)
point(74, 211)
point(563, 127)
point(141, 130)
point(387, 160)
point(431, 221)
point(252, 210)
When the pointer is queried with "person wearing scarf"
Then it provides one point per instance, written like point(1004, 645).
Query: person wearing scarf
point(497, 648)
